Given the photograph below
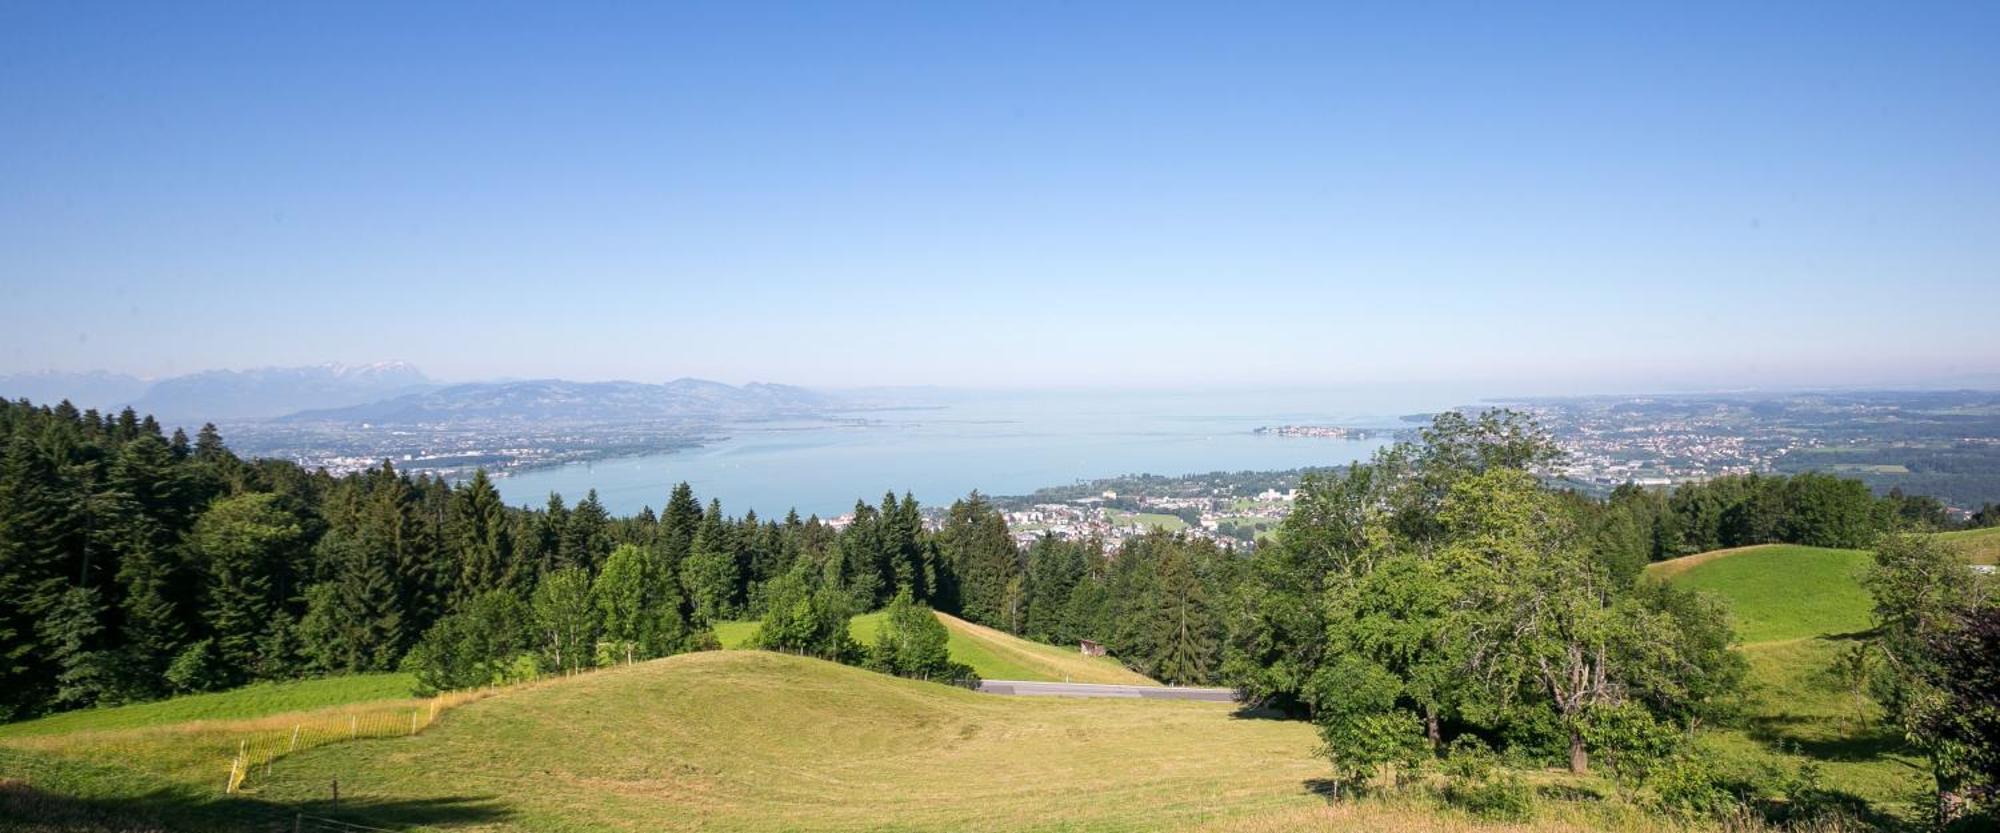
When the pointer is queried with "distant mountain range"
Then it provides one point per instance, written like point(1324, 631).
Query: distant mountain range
point(267, 392)
point(95, 389)
point(218, 395)
point(555, 400)
point(395, 393)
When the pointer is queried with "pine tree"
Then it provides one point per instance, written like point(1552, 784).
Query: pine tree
point(85, 671)
point(484, 551)
point(153, 630)
point(549, 535)
point(249, 546)
point(34, 526)
point(678, 524)
point(982, 559)
point(709, 573)
point(355, 621)
point(586, 537)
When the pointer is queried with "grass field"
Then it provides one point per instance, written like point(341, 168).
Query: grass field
point(1155, 520)
point(1779, 591)
point(198, 749)
point(1981, 546)
point(993, 654)
point(1795, 610)
point(247, 702)
point(747, 740)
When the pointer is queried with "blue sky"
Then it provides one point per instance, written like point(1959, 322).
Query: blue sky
point(1012, 195)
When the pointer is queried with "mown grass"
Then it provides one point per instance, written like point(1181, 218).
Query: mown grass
point(249, 701)
point(1796, 609)
point(753, 741)
point(993, 654)
point(200, 751)
point(1780, 591)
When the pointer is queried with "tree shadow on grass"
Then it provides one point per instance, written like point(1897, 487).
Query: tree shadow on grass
point(1805, 736)
point(1254, 712)
point(1326, 788)
point(28, 809)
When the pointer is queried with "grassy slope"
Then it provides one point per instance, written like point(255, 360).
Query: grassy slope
point(1795, 610)
point(249, 701)
point(741, 740)
point(190, 739)
point(1781, 592)
point(995, 655)
point(1981, 546)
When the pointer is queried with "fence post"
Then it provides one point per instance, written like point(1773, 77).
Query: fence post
point(295, 739)
point(413, 720)
point(353, 727)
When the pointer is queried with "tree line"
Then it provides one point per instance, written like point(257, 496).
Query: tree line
point(135, 564)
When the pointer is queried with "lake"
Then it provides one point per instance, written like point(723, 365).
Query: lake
point(1002, 443)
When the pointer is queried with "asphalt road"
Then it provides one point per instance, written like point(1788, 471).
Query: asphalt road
point(1149, 692)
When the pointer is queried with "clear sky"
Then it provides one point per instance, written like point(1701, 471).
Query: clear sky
point(1591, 195)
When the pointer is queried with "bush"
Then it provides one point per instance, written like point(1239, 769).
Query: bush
point(476, 646)
point(913, 643)
point(1686, 785)
point(195, 669)
point(1476, 783)
point(1632, 745)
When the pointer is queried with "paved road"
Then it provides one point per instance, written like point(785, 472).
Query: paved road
point(1150, 692)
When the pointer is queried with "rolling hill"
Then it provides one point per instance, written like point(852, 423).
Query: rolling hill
point(1796, 609)
point(749, 740)
point(993, 654)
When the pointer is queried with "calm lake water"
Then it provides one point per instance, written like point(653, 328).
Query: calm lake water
point(997, 443)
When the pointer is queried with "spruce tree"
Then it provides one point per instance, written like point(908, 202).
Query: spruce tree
point(85, 673)
point(709, 573)
point(586, 537)
point(248, 546)
point(483, 549)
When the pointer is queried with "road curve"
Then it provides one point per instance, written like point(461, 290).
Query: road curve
point(1150, 692)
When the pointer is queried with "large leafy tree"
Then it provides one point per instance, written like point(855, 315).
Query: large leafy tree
point(1936, 623)
point(480, 643)
point(911, 642)
point(806, 620)
point(638, 605)
point(565, 621)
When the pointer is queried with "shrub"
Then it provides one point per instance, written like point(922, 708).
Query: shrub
point(911, 642)
point(1632, 745)
point(195, 669)
point(1686, 785)
point(1476, 783)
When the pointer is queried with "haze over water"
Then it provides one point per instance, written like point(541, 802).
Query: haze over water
point(1003, 444)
